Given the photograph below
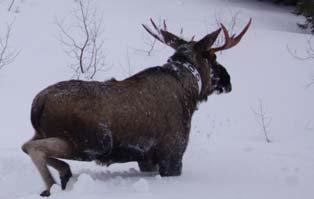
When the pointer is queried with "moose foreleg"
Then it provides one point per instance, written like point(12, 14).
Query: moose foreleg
point(41, 150)
point(170, 167)
point(147, 166)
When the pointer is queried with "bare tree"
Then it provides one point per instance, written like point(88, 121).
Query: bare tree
point(307, 54)
point(82, 42)
point(14, 6)
point(311, 83)
point(11, 5)
point(7, 55)
point(150, 47)
point(263, 120)
point(128, 62)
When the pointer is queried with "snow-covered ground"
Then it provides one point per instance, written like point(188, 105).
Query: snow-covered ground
point(227, 156)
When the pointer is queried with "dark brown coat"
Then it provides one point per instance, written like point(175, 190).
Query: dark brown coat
point(148, 113)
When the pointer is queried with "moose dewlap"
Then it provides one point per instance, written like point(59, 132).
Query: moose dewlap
point(144, 118)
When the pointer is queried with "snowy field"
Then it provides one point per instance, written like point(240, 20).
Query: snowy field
point(227, 157)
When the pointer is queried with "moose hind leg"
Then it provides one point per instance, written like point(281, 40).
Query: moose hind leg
point(63, 168)
point(41, 150)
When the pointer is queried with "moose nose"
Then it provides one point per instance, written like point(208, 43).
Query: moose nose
point(228, 88)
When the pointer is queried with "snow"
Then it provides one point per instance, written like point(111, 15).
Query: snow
point(141, 185)
point(227, 156)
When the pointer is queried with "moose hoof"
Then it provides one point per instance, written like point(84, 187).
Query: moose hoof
point(65, 179)
point(45, 193)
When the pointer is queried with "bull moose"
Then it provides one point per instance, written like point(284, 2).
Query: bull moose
point(145, 118)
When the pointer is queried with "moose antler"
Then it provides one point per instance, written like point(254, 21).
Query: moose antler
point(233, 40)
point(163, 35)
point(158, 36)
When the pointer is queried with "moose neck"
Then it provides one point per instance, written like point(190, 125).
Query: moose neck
point(189, 77)
point(192, 69)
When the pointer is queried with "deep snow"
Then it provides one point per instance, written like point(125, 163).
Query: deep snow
point(227, 156)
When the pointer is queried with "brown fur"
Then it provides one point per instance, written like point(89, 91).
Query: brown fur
point(151, 106)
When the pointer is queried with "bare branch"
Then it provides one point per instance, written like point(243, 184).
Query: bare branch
point(151, 47)
point(310, 84)
point(68, 40)
point(309, 50)
point(128, 61)
point(307, 55)
point(150, 42)
point(11, 5)
point(263, 120)
point(7, 56)
point(84, 21)
point(88, 52)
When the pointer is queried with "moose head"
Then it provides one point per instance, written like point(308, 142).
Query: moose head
point(201, 56)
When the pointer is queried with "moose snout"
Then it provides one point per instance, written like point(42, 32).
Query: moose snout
point(228, 89)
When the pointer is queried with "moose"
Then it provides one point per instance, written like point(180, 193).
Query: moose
point(145, 118)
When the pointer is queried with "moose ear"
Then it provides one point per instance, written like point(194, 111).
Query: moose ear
point(206, 43)
point(172, 40)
